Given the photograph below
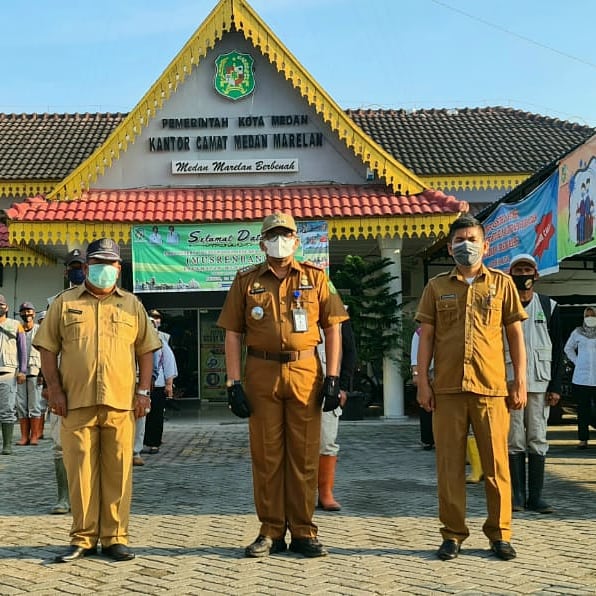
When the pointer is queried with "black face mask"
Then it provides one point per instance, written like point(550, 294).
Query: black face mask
point(523, 282)
point(3, 311)
point(27, 318)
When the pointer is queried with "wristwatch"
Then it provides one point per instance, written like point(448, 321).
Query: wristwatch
point(232, 382)
point(143, 392)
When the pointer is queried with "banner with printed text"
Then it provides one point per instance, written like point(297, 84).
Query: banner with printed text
point(575, 233)
point(206, 257)
point(528, 226)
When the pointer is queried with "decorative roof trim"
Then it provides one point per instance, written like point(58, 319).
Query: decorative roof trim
point(24, 256)
point(229, 14)
point(418, 226)
point(67, 233)
point(26, 188)
point(451, 182)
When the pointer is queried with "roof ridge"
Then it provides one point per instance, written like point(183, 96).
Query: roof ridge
point(454, 111)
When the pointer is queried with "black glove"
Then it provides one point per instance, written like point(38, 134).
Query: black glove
point(330, 396)
point(237, 401)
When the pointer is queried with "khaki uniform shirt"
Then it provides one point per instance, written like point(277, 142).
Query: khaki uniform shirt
point(468, 321)
point(256, 290)
point(97, 341)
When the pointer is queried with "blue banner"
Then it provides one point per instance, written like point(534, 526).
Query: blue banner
point(528, 226)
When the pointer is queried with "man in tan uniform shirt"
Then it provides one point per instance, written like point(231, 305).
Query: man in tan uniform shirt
point(279, 307)
point(462, 316)
point(100, 332)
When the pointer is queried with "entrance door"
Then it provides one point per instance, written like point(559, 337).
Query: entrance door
point(182, 325)
point(198, 345)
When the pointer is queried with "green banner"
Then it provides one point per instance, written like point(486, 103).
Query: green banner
point(205, 257)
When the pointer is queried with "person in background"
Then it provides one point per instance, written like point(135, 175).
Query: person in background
point(156, 317)
point(581, 351)
point(330, 420)
point(277, 309)
point(30, 408)
point(13, 371)
point(99, 331)
point(527, 432)
point(164, 373)
point(462, 315)
point(426, 418)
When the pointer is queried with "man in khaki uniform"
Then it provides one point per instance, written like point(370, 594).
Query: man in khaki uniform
point(279, 306)
point(462, 316)
point(99, 331)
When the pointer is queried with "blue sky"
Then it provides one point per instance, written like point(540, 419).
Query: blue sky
point(534, 55)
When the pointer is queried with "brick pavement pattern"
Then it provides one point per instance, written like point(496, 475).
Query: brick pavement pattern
point(193, 515)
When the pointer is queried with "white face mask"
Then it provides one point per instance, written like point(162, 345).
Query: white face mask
point(280, 247)
point(590, 321)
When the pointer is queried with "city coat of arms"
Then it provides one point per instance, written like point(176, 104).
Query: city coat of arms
point(234, 76)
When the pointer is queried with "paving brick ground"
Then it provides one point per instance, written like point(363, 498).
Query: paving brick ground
point(193, 514)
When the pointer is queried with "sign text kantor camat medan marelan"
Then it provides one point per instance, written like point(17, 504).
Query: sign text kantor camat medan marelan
point(241, 133)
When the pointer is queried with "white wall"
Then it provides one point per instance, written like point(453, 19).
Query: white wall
point(31, 284)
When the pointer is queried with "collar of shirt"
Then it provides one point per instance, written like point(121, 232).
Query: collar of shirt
point(456, 273)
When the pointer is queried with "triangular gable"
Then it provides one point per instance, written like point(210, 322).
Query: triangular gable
point(238, 15)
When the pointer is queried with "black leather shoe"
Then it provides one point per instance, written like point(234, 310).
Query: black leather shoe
point(118, 552)
point(309, 547)
point(503, 550)
point(75, 552)
point(448, 550)
point(264, 546)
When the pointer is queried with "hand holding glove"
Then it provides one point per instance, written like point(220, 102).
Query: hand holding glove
point(237, 401)
point(330, 396)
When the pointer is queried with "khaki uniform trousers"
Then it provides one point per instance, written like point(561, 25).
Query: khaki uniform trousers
point(489, 418)
point(97, 451)
point(285, 429)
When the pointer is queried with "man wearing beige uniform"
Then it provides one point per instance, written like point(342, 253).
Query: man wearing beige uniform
point(100, 332)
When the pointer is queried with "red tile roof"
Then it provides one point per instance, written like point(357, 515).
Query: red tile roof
point(4, 243)
point(234, 204)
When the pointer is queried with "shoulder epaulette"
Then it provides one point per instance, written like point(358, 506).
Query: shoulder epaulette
point(248, 269)
point(493, 270)
point(52, 298)
point(313, 265)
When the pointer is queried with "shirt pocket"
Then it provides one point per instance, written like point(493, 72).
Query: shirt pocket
point(446, 312)
point(124, 326)
point(542, 364)
point(493, 311)
point(75, 327)
point(259, 306)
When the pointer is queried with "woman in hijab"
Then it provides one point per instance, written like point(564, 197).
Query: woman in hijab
point(581, 350)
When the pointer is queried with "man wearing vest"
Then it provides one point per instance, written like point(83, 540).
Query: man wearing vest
point(527, 431)
point(13, 369)
point(30, 404)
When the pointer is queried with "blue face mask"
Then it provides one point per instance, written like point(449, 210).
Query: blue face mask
point(76, 276)
point(102, 276)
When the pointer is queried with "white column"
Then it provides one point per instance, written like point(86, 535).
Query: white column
point(393, 383)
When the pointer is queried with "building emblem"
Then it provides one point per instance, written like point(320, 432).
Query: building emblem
point(234, 76)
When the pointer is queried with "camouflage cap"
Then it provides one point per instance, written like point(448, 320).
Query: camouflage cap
point(278, 220)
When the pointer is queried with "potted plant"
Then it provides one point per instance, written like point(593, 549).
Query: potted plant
point(376, 318)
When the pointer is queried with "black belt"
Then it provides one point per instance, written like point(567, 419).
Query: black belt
point(281, 356)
